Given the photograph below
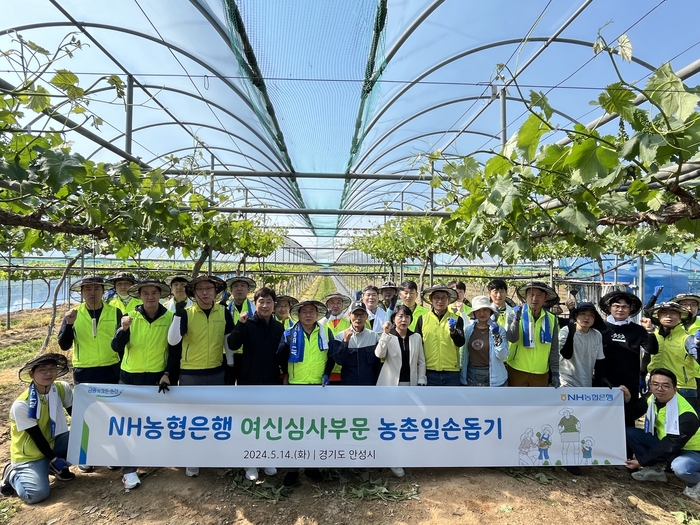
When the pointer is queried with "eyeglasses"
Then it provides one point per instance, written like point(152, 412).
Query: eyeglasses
point(46, 370)
point(620, 306)
point(661, 386)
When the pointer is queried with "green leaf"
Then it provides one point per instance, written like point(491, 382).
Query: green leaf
point(575, 219)
point(39, 100)
point(589, 159)
point(650, 240)
point(64, 79)
point(618, 99)
point(624, 48)
point(667, 91)
point(497, 165)
point(502, 194)
point(37, 48)
point(197, 201)
point(638, 190)
point(691, 226)
point(539, 100)
point(614, 204)
point(529, 136)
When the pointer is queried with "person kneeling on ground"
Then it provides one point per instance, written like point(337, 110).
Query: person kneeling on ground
point(670, 434)
point(39, 430)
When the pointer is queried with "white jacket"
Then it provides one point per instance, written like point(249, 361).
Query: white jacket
point(389, 349)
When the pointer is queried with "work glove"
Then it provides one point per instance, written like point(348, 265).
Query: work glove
point(163, 387)
point(658, 290)
point(451, 323)
point(517, 310)
point(495, 329)
point(556, 383)
point(422, 382)
point(60, 464)
point(325, 380)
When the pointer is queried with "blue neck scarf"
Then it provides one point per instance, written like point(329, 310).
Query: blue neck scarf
point(296, 345)
point(34, 408)
point(529, 328)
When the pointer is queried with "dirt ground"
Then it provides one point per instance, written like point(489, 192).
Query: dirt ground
point(446, 495)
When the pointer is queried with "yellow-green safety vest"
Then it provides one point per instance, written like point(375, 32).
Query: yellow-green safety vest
point(441, 354)
point(22, 447)
point(660, 422)
point(90, 351)
point(673, 355)
point(203, 343)
point(310, 370)
point(532, 360)
point(147, 349)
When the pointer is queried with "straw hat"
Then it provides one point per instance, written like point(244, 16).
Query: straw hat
point(320, 308)
point(551, 295)
point(291, 300)
point(164, 288)
point(345, 298)
point(44, 359)
point(686, 297)
point(95, 279)
point(667, 305)
point(181, 277)
point(439, 288)
point(123, 276)
point(240, 279)
point(614, 296)
point(218, 283)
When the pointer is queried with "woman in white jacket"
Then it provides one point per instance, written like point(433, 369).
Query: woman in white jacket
point(402, 351)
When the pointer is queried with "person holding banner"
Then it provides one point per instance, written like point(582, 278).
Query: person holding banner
point(202, 329)
point(670, 434)
point(443, 335)
point(258, 338)
point(304, 357)
point(39, 430)
point(486, 347)
point(142, 340)
point(533, 333)
point(337, 321)
point(624, 343)
point(240, 286)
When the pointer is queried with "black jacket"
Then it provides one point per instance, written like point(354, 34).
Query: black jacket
point(259, 360)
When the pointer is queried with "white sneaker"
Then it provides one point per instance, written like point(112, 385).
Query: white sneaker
point(85, 469)
point(398, 472)
point(192, 472)
point(650, 474)
point(251, 474)
point(131, 480)
point(692, 492)
point(270, 471)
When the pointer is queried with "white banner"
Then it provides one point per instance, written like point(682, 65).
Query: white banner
point(335, 426)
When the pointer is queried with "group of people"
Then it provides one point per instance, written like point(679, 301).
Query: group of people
point(207, 331)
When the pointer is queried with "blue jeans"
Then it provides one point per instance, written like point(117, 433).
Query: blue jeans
point(31, 479)
point(686, 466)
point(436, 378)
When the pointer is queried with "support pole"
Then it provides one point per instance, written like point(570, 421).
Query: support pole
point(9, 287)
point(129, 114)
point(504, 121)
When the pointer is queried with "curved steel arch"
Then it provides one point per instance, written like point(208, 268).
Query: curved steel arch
point(363, 199)
point(209, 146)
point(277, 191)
point(472, 51)
point(217, 106)
point(436, 107)
point(281, 196)
point(170, 46)
point(188, 123)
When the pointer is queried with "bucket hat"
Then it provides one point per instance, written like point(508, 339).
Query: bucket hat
point(240, 279)
point(320, 308)
point(95, 279)
point(346, 300)
point(44, 359)
point(218, 283)
point(481, 301)
point(551, 295)
point(668, 305)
